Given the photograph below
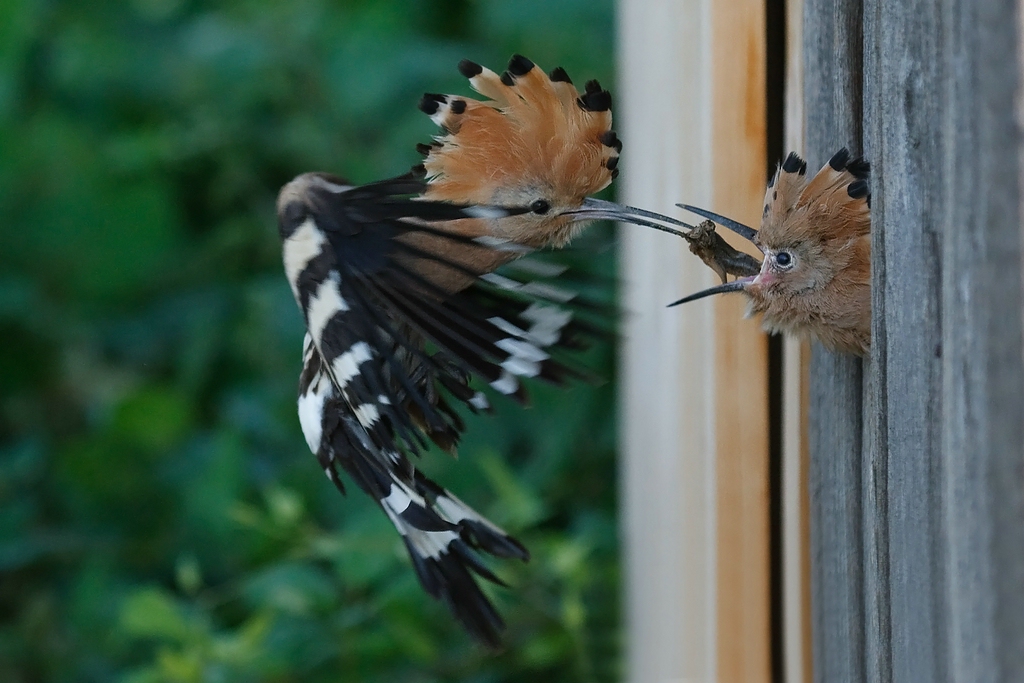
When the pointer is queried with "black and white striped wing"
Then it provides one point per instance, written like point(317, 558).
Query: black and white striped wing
point(389, 349)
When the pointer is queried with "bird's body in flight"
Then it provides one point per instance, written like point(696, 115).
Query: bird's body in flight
point(816, 239)
point(406, 318)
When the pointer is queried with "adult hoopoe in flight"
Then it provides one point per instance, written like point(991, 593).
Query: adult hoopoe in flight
point(396, 283)
point(816, 239)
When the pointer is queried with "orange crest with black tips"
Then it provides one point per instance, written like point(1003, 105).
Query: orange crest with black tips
point(815, 234)
point(536, 141)
point(834, 204)
point(816, 239)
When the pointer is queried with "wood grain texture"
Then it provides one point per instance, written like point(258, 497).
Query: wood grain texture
point(795, 517)
point(795, 398)
point(667, 464)
point(918, 540)
point(902, 69)
point(982, 370)
point(832, 109)
point(739, 139)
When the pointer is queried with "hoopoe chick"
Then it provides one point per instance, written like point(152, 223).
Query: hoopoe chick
point(403, 310)
point(815, 236)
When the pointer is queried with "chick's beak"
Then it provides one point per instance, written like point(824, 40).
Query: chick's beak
point(737, 285)
point(744, 231)
point(749, 264)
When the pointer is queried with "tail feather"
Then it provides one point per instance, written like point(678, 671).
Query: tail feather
point(445, 576)
point(446, 559)
point(442, 534)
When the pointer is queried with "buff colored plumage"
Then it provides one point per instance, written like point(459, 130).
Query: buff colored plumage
point(816, 239)
point(535, 142)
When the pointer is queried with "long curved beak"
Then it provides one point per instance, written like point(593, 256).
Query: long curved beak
point(743, 231)
point(599, 209)
point(737, 285)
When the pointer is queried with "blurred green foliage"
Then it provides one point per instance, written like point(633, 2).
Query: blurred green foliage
point(161, 519)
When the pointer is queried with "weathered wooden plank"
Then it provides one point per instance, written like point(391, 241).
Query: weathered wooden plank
point(875, 463)
point(832, 86)
point(902, 79)
point(834, 482)
point(983, 371)
point(917, 484)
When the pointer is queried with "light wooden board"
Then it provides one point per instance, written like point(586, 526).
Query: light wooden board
point(694, 412)
point(739, 139)
point(667, 382)
point(796, 592)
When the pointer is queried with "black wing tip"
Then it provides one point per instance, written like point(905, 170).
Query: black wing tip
point(449, 578)
point(498, 544)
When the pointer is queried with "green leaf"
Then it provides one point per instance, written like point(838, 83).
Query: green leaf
point(153, 417)
point(520, 507)
point(291, 588)
point(153, 613)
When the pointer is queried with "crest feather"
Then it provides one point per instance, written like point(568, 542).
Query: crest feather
point(533, 128)
point(834, 204)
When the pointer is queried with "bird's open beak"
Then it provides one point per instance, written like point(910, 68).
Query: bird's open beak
point(737, 285)
point(744, 231)
point(598, 209)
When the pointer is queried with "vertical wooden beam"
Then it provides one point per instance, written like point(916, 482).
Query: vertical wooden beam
point(667, 478)
point(796, 514)
point(796, 368)
point(1020, 116)
point(902, 105)
point(983, 372)
point(933, 590)
point(739, 138)
point(695, 437)
point(877, 462)
point(832, 105)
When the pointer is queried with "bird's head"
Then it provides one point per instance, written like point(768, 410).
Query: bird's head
point(535, 142)
point(812, 230)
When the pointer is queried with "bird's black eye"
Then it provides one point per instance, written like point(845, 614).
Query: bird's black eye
point(540, 206)
point(784, 260)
